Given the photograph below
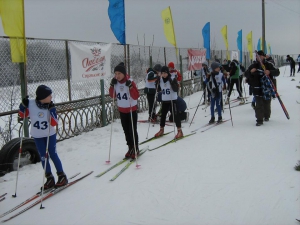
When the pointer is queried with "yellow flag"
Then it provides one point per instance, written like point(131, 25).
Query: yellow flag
point(168, 26)
point(12, 16)
point(249, 44)
point(224, 34)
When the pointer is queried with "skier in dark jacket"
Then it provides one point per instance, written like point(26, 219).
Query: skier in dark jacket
point(150, 89)
point(292, 64)
point(262, 89)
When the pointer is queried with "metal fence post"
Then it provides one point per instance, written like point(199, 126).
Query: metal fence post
point(23, 94)
point(103, 112)
point(181, 83)
point(68, 71)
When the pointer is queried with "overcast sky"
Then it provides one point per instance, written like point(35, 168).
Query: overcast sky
point(88, 20)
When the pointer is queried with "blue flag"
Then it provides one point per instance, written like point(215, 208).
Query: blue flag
point(239, 42)
point(116, 13)
point(206, 39)
point(258, 45)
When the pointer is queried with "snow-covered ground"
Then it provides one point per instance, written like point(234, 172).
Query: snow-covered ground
point(228, 175)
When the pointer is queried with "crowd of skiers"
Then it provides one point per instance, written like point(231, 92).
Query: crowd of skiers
point(162, 85)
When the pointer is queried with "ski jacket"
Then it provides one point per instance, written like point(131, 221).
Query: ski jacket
point(254, 79)
point(126, 97)
point(234, 70)
point(151, 77)
point(216, 86)
point(43, 120)
point(176, 74)
point(169, 88)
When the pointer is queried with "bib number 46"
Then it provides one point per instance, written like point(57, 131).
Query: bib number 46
point(166, 91)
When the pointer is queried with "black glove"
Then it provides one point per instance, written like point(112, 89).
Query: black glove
point(51, 105)
point(128, 83)
point(113, 82)
point(25, 101)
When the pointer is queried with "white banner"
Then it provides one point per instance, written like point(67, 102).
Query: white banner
point(235, 55)
point(90, 62)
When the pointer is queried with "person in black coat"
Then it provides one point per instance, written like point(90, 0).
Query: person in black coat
point(292, 64)
point(255, 77)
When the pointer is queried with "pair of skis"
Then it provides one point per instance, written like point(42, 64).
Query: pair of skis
point(129, 162)
point(209, 126)
point(47, 195)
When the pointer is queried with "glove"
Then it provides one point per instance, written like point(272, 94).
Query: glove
point(51, 106)
point(25, 101)
point(113, 82)
point(128, 83)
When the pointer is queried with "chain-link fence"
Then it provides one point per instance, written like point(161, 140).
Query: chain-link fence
point(48, 62)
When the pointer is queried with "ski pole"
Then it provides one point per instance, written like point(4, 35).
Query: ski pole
point(173, 117)
point(244, 89)
point(133, 134)
point(111, 127)
point(230, 113)
point(20, 152)
point(197, 109)
point(45, 165)
point(152, 110)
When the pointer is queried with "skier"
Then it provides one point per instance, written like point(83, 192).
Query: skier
point(205, 72)
point(234, 79)
point(262, 89)
point(42, 113)
point(292, 64)
point(150, 89)
point(215, 84)
point(175, 74)
point(126, 93)
point(169, 88)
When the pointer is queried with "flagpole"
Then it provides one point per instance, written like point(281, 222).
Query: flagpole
point(22, 66)
point(263, 26)
point(174, 34)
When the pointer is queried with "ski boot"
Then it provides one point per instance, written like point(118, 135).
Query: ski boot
point(219, 119)
point(133, 155)
point(160, 132)
point(212, 120)
point(179, 133)
point(50, 183)
point(62, 180)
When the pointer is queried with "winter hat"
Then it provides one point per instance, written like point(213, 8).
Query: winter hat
point(260, 52)
point(171, 65)
point(288, 56)
point(215, 65)
point(121, 68)
point(157, 67)
point(205, 63)
point(165, 69)
point(42, 92)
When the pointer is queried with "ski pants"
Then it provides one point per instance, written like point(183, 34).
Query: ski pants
point(237, 84)
point(293, 69)
point(262, 109)
point(151, 99)
point(217, 102)
point(166, 107)
point(41, 145)
point(127, 127)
